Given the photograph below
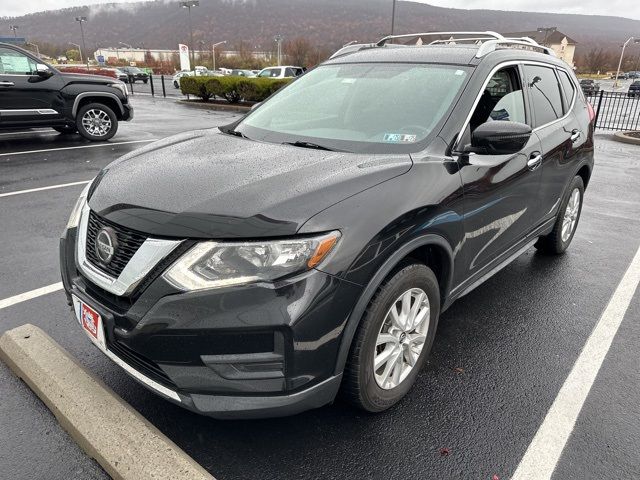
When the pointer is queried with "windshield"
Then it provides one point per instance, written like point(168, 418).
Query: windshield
point(376, 107)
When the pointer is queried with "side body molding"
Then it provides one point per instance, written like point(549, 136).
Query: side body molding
point(368, 292)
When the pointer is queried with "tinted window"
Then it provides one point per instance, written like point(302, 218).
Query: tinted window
point(545, 94)
point(502, 99)
point(569, 89)
point(270, 72)
point(14, 63)
point(289, 72)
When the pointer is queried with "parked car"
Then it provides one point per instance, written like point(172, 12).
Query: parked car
point(35, 94)
point(242, 73)
point(182, 73)
point(120, 75)
point(135, 74)
point(281, 72)
point(621, 76)
point(310, 246)
point(634, 89)
point(633, 75)
point(589, 87)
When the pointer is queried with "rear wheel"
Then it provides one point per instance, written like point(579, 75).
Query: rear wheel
point(96, 122)
point(393, 340)
point(567, 219)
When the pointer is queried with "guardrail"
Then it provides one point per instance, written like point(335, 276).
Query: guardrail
point(616, 110)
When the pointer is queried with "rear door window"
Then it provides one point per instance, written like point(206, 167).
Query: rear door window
point(544, 92)
point(569, 89)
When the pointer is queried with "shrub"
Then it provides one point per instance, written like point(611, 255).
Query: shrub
point(232, 89)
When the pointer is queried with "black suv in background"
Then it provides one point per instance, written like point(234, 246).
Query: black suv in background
point(634, 89)
point(34, 94)
point(589, 87)
point(134, 74)
point(310, 247)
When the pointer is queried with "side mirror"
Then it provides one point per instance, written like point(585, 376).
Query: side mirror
point(43, 71)
point(500, 137)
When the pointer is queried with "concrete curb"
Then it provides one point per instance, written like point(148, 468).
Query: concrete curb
point(624, 138)
point(216, 106)
point(108, 429)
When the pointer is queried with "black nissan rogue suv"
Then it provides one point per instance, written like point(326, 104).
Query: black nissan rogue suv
point(34, 94)
point(310, 247)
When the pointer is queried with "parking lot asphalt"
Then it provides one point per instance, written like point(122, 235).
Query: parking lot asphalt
point(500, 356)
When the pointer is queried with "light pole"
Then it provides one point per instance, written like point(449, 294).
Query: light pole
point(81, 20)
point(79, 50)
point(34, 45)
point(278, 39)
point(188, 5)
point(393, 18)
point(546, 31)
point(15, 30)
point(213, 52)
point(624, 45)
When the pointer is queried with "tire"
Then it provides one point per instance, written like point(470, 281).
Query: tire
point(101, 111)
point(145, 81)
point(66, 130)
point(361, 381)
point(176, 84)
point(555, 242)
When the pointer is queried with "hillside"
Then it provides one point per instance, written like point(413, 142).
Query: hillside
point(326, 23)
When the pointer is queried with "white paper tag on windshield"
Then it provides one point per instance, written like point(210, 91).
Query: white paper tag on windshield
point(399, 138)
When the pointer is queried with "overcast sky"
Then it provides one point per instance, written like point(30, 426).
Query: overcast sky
point(626, 8)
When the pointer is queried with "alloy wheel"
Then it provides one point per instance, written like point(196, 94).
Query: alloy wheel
point(571, 215)
point(401, 338)
point(96, 122)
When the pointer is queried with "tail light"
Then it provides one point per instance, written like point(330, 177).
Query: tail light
point(592, 112)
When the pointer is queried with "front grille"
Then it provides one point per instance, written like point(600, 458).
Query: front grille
point(128, 244)
point(141, 363)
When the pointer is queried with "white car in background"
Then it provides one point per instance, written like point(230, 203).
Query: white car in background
point(286, 71)
point(182, 73)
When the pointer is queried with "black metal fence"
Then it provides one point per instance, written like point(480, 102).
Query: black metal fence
point(616, 110)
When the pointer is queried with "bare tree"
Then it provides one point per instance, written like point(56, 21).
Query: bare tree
point(298, 51)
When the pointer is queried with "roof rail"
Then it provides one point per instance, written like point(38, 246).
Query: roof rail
point(491, 35)
point(524, 43)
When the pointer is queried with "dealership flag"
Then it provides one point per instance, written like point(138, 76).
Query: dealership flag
point(184, 57)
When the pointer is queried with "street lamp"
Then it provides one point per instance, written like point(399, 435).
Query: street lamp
point(81, 20)
point(213, 52)
point(78, 47)
point(15, 30)
point(124, 45)
point(34, 45)
point(278, 39)
point(188, 5)
point(624, 45)
point(547, 31)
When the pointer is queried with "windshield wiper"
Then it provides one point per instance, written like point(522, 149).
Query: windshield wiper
point(307, 145)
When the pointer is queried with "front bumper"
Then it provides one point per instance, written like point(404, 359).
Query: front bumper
point(127, 114)
point(251, 351)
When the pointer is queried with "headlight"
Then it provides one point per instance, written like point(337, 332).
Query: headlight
point(120, 86)
point(221, 264)
point(74, 219)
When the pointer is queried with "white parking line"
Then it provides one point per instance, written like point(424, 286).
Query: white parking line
point(39, 189)
point(544, 452)
point(23, 297)
point(106, 144)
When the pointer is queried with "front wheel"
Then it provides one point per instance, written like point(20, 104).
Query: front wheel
point(393, 340)
point(96, 122)
point(567, 219)
point(176, 84)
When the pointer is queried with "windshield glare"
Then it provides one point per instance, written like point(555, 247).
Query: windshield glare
point(359, 107)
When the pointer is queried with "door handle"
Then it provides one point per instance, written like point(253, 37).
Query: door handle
point(575, 136)
point(7, 84)
point(535, 160)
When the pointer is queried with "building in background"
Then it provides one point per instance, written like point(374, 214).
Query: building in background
point(563, 45)
point(114, 55)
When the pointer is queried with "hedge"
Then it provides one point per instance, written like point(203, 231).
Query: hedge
point(232, 89)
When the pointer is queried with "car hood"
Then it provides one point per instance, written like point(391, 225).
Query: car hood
point(206, 184)
point(86, 78)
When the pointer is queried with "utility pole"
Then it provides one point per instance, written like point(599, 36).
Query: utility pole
point(546, 31)
point(213, 52)
point(393, 19)
point(188, 5)
point(15, 30)
point(278, 39)
point(624, 45)
point(81, 20)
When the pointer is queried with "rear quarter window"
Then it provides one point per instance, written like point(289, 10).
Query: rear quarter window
point(544, 92)
point(569, 89)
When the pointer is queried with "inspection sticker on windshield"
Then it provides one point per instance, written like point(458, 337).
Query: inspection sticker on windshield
point(399, 138)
